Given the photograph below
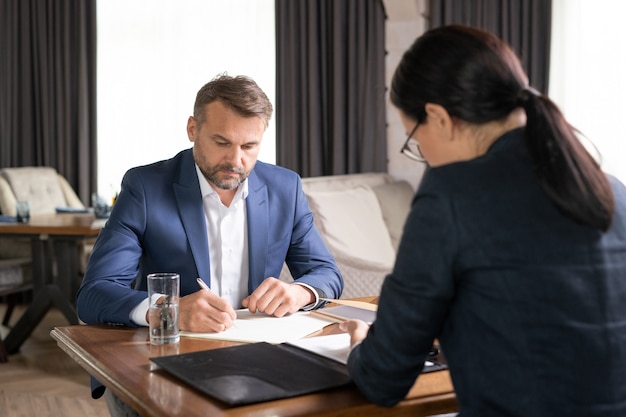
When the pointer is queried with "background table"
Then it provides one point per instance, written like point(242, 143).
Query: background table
point(54, 245)
point(120, 359)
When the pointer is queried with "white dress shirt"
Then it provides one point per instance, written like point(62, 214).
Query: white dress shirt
point(227, 230)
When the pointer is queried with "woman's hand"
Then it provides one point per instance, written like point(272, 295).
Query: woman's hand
point(357, 328)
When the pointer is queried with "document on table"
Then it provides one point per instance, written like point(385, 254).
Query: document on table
point(337, 347)
point(332, 346)
point(260, 327)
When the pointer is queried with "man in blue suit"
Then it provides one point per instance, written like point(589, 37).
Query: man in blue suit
point(213, 212)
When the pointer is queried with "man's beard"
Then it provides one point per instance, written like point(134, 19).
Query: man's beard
point(212, 176)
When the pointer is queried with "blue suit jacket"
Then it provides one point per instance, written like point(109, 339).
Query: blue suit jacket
point(158, 225)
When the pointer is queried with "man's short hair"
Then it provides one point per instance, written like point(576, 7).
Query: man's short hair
point(239, 93)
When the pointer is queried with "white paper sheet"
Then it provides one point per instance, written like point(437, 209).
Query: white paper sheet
point(334, 346)
point(260, 327)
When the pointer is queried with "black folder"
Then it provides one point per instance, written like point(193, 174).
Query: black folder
point(255, 372)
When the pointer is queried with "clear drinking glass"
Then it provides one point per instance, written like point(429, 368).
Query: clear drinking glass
point(22, 209)
point(163, 290)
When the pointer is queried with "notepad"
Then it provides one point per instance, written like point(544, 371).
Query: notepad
point(337, 348)
point(260, 327)
point(332, 346)
point(71, 210)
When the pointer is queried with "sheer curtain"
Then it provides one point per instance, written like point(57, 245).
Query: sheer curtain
point(153, 57)
point(587, 73)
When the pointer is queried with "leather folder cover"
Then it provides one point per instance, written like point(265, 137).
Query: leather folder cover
point(255, 372)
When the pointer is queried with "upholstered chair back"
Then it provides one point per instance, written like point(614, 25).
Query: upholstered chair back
point(42, 187)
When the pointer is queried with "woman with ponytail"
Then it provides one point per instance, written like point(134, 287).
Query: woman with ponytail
point(513, 256)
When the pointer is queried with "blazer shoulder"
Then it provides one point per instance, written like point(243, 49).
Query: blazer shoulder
point(165, 168)
point(269, 173)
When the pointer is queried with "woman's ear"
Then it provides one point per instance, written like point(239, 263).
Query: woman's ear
point(440, 118)
point(438, 114)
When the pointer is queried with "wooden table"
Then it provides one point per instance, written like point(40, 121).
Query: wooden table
point(53, 237)
point(120, 359)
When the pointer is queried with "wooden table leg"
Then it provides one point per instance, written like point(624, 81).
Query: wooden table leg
point(67, 262)
point(49, 296)
point(3, 352)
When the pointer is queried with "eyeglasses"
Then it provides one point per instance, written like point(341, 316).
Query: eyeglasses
point(411, 147)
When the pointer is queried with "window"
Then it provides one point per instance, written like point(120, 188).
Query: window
point(153, 57)
point(588, 63)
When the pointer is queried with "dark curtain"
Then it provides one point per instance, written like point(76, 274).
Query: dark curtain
point(48, 88)
point(330, 86)
point(524, 24)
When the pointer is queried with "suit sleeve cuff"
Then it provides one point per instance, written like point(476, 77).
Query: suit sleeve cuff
point(138, 314)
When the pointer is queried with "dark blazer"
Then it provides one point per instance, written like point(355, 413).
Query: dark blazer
point(158, 225)
point(529, 306)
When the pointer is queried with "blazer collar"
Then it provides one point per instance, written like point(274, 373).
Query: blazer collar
point(189, 200)
point(258, 225)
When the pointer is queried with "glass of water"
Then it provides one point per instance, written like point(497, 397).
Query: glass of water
point(22, 209)
point(163, 290)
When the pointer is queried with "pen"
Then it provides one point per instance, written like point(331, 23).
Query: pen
point(203, 284)
point(206, 287)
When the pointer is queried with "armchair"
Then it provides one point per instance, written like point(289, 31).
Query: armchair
point(45, 190)
point(42, 187)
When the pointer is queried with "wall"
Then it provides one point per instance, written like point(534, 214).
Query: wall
point(405, 22)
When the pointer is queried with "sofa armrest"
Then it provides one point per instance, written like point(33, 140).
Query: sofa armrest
point(361, 277)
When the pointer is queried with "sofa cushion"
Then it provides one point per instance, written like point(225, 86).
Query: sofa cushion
point(395, 202)
point(351, 221)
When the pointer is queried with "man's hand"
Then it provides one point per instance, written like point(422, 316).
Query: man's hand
point(278, 298)
point(358, 330)
point(205, 311)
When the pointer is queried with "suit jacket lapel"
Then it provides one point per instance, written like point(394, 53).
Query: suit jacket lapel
point(258, 223)
point(189, 200)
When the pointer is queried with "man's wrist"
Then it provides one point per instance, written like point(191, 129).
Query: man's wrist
point(315, 295)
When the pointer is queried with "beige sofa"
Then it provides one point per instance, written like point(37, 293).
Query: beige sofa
point(360, 217)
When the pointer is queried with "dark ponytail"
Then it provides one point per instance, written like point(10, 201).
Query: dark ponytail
point(478, 78)
point(567, 172)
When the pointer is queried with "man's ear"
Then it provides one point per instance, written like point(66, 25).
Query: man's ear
point(191, 128)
